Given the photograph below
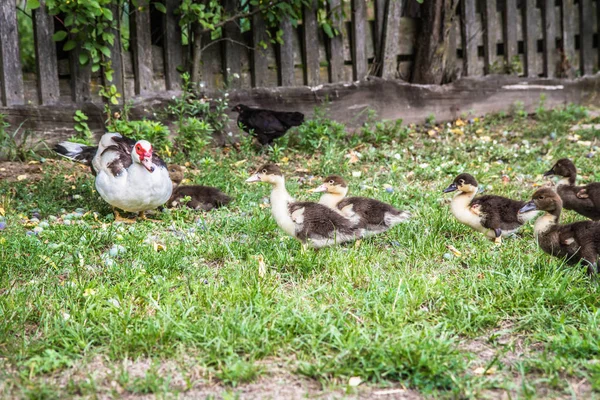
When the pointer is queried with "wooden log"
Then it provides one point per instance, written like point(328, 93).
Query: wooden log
point(116, 57)
point(141, 45)
point(172, 46)
point(490, 39)
point(359, 37)
point(568, 39)
point(45, 56)
point(232, 61)
point(11, 75)
point(260, 62)
point(549, 38)
point(469, 38)
point(336, 43)
point(80, 76)
point(530, 35)
point(510, 31)
point(286, 55)
point(310, 44)
point(390, 39)
point(586, 35)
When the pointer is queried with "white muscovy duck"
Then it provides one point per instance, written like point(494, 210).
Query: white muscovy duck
point(129, 176)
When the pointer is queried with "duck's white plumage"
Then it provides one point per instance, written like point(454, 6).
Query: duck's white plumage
point(132, 188)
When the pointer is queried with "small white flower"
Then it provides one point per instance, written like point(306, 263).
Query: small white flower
point(397, 156)
point(114, 302)
point(229, 133)
point(236, 75)
point(66, 316)
point(226, 94)
point(201, 84)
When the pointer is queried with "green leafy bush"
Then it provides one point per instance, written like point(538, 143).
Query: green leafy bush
point(153, 131)
point(315, 133)
point(193, 136)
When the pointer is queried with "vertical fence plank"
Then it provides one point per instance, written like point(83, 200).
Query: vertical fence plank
point(530, 35)
point(490, 23)
point(286, 55)
point(232, 62)
point(469, 42)
point(568, 38)
point(11, 76)
point(116, 56)
point(391, 39)
point(260, 63)
point(336, 44)
point(80, 76)
point(310, 45)
point(511, 49)
point(141, 45)
point(359, 42)
point(549, 27)
point(172, 46)
point(45, 56)
point(586, 35)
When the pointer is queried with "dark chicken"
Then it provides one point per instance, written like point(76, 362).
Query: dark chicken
point(266, 125)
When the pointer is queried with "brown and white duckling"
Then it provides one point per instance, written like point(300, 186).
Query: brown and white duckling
point(584, 200)
point(579, 241)
point(312, 223)
point(201, 197)
point(494, 216)
point(375, 215)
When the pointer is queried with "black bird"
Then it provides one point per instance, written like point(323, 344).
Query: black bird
point(266, 125)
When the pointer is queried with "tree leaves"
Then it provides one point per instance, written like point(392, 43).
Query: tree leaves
point(33, 4)
point(59, 36)
point(160, 7)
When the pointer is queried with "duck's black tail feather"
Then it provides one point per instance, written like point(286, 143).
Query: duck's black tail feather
point(290, 118)
point(76, 152)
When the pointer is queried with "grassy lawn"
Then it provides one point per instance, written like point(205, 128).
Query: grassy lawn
point(224, 304)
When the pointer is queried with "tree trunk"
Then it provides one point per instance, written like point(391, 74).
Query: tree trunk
point(197, 53)
point(430, 58)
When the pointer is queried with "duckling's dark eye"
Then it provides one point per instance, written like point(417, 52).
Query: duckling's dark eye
point(331, 182)
point(461, 182)
point(264, 171)
point(541, 198)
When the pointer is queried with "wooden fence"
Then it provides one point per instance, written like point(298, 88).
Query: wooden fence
point(532, 38)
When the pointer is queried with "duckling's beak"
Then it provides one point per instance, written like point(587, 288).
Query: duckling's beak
point(319, 189)
point(530, 206)
point(549, 173)
point(253, 178)
point(451, 188)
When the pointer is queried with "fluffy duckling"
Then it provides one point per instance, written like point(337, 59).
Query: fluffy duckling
point(201, 197)
point(494, 216)
point(579, 241)
point(312, 223)
point(375, 215)
point(584, 200)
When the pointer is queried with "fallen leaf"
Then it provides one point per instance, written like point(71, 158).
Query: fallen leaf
point(356, 174)
point(457, 131)
point(431, 132)
point(460, 122)
point(354, 381)
point(158, 246)
point(453, 250)
point(2, 211)
point(357, 244)
point(482, 371)
point(21, 177)
point(237, 164)
point(262, 267)
point(33, 162)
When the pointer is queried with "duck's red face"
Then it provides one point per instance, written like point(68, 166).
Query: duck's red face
point(143, 149)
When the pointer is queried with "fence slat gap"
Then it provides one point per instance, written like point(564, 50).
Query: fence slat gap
point(586, 34)
point(380, 6)
point(232, 49)
point(530, 35)
point(173, 47)
point(359, 43)
point(469, 37)
point(45, 56)
point(260, 62)
point(390, 42)
point(141, 44)
point(11, 76)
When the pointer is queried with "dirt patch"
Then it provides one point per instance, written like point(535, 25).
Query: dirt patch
point(186, 380)
point(18, 171)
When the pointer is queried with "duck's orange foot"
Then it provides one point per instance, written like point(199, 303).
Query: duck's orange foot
point(123, 220)
point(142, 216)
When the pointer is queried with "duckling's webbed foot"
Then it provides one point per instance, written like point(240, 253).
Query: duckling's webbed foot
point(498, 233)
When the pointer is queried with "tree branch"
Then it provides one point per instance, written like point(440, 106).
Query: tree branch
point(235, 17)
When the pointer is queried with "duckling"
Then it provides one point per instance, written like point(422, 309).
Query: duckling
point(494, 216)
point(375, 215)
point(579, 241)
point(201, 197)
point(584, 200)
point(312, 223)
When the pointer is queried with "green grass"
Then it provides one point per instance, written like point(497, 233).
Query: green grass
point(399, 309)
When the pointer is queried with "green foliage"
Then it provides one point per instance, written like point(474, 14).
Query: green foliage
point(13, 147)
point(84, 134)
point(153, 131)
point(26, 44)
point(316, 133)
point(377, 132)
point(193, 136)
